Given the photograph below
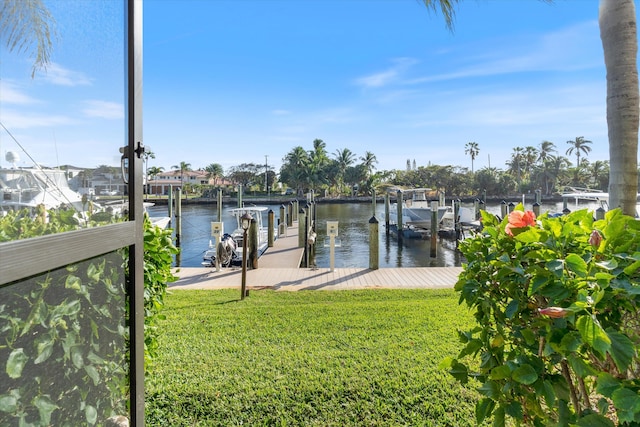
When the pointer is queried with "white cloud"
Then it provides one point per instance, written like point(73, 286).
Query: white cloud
point(61, 76)
point(103, 109)
point(12, 95)
point(14, 120)
point(387, 77)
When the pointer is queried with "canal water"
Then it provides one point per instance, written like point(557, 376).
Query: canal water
point(353, 236)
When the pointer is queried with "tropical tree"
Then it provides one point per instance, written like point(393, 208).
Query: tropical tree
point(472, 149)
point(153, 172)
point(182, 167)
point(28, 27)
point(545, 150)
point(368, 161)
point(147, 154)
point(620, 45)
point(294, 169)
point(600, 174)
point(345, 158)
point(618, 32)
point(318, 163)
point(214, 171)
point(579, 145)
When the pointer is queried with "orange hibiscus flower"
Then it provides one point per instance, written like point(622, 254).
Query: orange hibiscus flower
point(520, 219)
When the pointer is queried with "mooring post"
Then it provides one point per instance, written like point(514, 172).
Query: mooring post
point(456, 220)
point(373, 243)
point(504, 209)
point(434, 229)
point(600, 213)
point(283, 220)
point(386, 213)
point(178, 215)
point(301, 232)
point(307, 220)
point(271, 222)
point(170, 202)
point(512, 206)
point(536, 209)
point(253, 244)
point(289, 222)
point(481, 207)
point(399, 213)
point(219, 204)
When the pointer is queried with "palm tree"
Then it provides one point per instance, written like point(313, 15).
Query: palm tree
point(368, 161)
point(183, 167)
point(345, 158)
point(620, 45)
point(27, 26)
point(294, 170)
point(153, 172)
point(579, 145)
point(472, 149)
point(618, 32)
point(545, 150)
point(146, 155)
point(214, 171)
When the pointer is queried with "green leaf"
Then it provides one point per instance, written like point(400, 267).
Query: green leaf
point(500, 372)
point(15, 363)
point(594, 420)
point(45, 407)
point(548, 393)
point(622, 349)
point(484, 409)
point(525, 374)
point(537, 283)
point(490, 389)
point(576, 264)
point(556, 267)
point(8, 403)
point(91, 414)
point(607, 384)
point(498, 417)
point(627, 402)
point(459, 372)
point(44, 348)
point(571, 342)
point(579, 366)
point(512, 308)
point(93, 374)
point(73, 282)
point(593, 334)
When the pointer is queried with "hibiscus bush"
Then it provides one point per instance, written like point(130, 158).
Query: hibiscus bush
point(556, 303)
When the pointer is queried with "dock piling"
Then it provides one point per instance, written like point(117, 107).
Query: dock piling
point(434, 229)
point(374, 244)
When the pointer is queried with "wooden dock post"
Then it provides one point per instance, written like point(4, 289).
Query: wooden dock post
point(434, 229)
point(456, 220)
point(282, 226)
point(270, 222)
point(536, 209)
point(399, 214)
point(170, 202)
point(386, 213)
point(504, 210)
point(301, 231)
point(600, 213)
point(178, 216)
point(253, 244)
point(511, 207)
point(219, 204)
point(374, 243)
point(289, 220)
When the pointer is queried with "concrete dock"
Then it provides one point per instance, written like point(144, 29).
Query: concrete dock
point(278, 270)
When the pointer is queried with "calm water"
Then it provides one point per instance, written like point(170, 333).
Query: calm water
point(353, 233)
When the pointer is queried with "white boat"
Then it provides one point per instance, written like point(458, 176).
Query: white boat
point(230, 246)
point(29, 187)
point(416, 211)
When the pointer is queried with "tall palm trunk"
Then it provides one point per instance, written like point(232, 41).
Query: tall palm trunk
point(620, 44)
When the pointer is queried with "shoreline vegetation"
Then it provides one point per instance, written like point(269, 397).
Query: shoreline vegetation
point(280, 199)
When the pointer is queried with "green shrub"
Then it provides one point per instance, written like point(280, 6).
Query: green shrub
point(556, 304)
point(64, 334)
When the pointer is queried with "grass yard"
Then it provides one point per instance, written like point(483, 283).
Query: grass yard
point(310, 358)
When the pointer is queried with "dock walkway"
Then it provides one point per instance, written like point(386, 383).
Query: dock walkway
point(278, 270)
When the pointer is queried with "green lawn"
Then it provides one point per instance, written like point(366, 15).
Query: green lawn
point(310, 358)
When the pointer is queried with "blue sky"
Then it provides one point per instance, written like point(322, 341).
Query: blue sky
point(231, 82)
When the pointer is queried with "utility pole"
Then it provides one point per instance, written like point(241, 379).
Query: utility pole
point(266, 171)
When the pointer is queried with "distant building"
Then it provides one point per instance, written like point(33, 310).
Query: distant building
point(161, 184)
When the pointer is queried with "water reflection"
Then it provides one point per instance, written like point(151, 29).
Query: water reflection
point(353, 234)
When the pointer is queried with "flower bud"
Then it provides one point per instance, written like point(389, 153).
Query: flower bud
point(595, 238)
point(554, 312)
